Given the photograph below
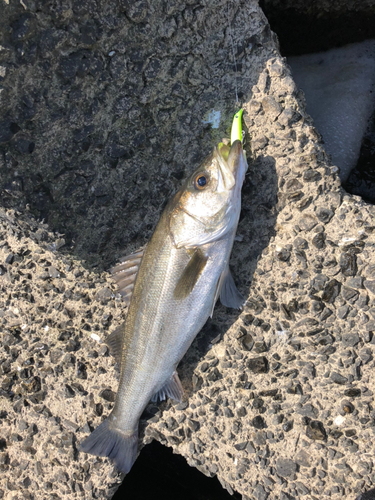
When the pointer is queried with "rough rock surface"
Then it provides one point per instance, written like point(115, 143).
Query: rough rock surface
point(103, 106)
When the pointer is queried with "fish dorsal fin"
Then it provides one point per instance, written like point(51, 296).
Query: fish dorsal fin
point(125, 273)
point(171, 389)
point(227, 290)
point(114, 342)
point(190, 274)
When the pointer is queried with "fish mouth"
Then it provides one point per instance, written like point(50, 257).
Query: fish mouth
point(232, 165)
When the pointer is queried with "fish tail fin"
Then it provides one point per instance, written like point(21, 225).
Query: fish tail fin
point(112, 442)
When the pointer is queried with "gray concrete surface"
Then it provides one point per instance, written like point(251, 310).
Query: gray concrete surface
point(103, 110)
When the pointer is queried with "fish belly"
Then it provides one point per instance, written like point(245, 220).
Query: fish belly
point(162, 328)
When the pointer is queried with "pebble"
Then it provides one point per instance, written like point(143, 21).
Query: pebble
point(348, 264)
point(53, 272)
point(303, 458)
point(352, 392)
point(108, 395)
point(319, 240)
point(338, 379)
point(315, 430)
point(247, 342)
point(356, 282)
point(331, 291)
point(370, 286)
point(287, 426)
point(250, 448)
point(81, 371)
point(104, 295)
point(260, 493)
point(258, 365)
point(324, 214)
point(285, 467)
point(241, 446)
point(260, 346)
point(258, 422)
point(69, 392)
point(350, 339)
point(268, 393)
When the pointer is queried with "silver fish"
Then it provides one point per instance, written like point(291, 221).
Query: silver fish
point(174, 283)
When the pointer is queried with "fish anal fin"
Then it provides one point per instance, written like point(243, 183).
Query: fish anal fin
point(171, 389)
point(190, 275)
point(114, 342)
point(229, 294)
point(125, 273)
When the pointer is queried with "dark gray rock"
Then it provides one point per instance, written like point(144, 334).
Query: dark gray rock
point(302, 489)
point(271, 107)
point(324, 214)
point(258, 365)
point(308, 410)
point(108, 395)
point(350, 339)
point(368, 495)
point(247, 342)
point(241, 446)
point(260, 493)
point(338, 379)
point(349, 294)
point(356, 282)
point(259, 422)
point(283, 255)
point(315, 430)
point(303, 458)
point(260, 346)
point(353, 392)
point(286, 467)
point(342, 312)
point(370, 286)
point(348, 264)
point(331, 291)
point(300, 243)
point(319, 240)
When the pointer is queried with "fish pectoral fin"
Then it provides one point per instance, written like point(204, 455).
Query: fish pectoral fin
point(227, 290)
point(125, 273)
point(229, 295)
point(114, 342)
point(171, 389)
point(190, 275)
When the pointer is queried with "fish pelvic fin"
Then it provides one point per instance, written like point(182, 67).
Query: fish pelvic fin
point(171, 389)
point(190, 275)
point(125, 273)
point(112, 442)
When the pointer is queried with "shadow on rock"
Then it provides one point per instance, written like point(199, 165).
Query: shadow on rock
point(368, 495)
point(98, 129)
point(256, 228)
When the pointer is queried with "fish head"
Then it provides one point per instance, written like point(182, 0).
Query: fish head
point(209, 202)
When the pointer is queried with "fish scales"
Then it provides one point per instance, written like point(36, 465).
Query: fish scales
point(182, 271)
point(161, 322)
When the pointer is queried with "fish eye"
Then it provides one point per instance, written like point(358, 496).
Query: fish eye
point(201, 180)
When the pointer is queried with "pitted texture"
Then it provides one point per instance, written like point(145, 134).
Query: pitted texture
point(101, 119)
